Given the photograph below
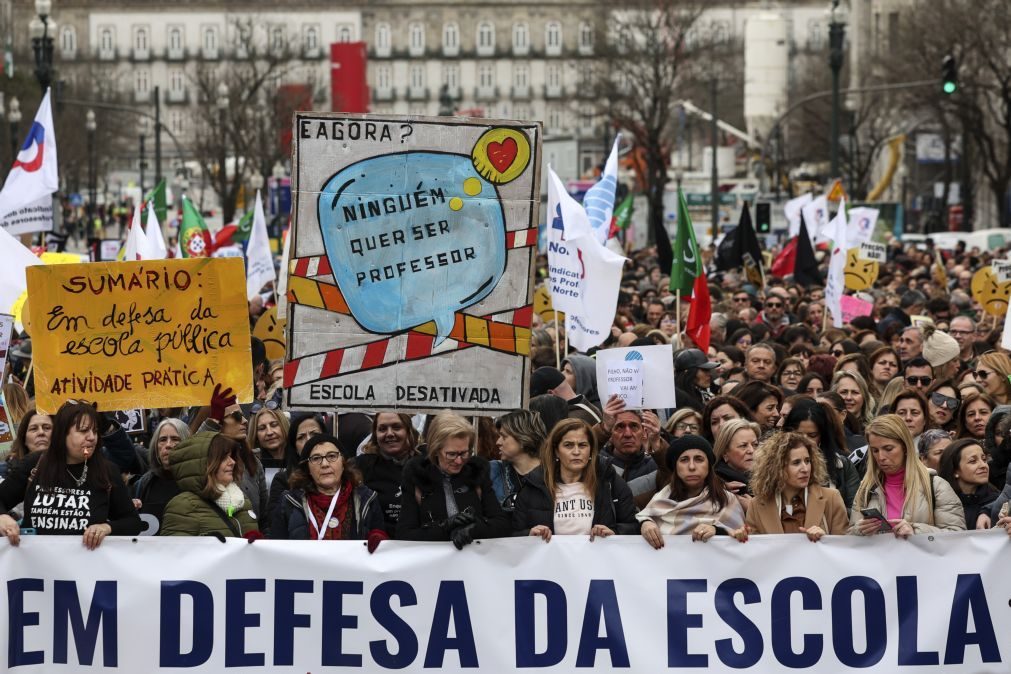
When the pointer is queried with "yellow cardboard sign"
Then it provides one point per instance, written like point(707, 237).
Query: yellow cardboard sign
point(139, 334)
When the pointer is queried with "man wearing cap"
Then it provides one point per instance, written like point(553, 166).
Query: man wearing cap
point(942, 351)
point(551, 380)
point(693, 379)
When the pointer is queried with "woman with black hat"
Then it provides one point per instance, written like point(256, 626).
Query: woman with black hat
point(327, 500)
point(695, 501)
point(693, 379)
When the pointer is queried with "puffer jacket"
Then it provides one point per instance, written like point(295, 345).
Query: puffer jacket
point(189, 513)
point(612, 504)
point(423, 515)
point(291, 523)
point(947, 515)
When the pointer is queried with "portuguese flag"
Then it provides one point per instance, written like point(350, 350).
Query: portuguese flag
point(194, 237)
point(688, 278)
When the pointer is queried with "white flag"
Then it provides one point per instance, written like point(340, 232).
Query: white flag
point(816, 218)
point(137, 246)
point(282, 282)
point(156, 241)
point(34, 173)
point(861, 226)
point(565, 268)
point(16, 258)
point(792, 210)
point(599, 275)
point(599, 199)
point(836, 280)
point(259, 261)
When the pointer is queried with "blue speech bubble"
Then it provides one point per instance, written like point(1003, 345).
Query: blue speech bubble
point(412, 237)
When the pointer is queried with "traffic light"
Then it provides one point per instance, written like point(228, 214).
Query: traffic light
point(949, 75)
point(763, 217)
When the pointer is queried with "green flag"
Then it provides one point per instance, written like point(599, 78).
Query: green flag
point(243, 229)
point(623, 213)
point(194, 237)
point(687, 264)
point(156, 195)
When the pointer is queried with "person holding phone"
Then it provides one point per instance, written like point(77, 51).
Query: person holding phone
point(898, 493)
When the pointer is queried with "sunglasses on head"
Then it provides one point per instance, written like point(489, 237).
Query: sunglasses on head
point(923, 381)
point(237, 416)
point(941, 400)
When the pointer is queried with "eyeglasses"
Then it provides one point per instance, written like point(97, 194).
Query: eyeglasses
point(456, 456)
point(774, 305)
point(688, 428)
point(237, 416)
point(742, 299)
point(941, 400)
point(963, 333)
point(923, 381)
point(331, 457)
point(838, 353)
point(981, 374)
point(270, 405)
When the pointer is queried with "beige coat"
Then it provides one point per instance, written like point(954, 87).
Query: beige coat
point(824, 508)
point(947, 515)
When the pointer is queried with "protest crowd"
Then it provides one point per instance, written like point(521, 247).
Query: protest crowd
point(894, 424)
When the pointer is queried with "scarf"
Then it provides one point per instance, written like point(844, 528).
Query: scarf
point(318, 504)
point(680, 517)
point(231, 500)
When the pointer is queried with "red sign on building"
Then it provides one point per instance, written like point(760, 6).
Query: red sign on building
point(349, 91)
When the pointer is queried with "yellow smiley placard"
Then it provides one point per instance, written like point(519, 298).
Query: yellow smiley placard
point(859, 274)
point(271, 333)
point(991, 294)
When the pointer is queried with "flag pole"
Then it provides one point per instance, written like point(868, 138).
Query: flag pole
point(677, 311)
point(558, 357)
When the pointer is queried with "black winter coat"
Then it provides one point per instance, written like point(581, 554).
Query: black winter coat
point(290, 522)
point(423, 501)
point(612, 505)
point(384, 476)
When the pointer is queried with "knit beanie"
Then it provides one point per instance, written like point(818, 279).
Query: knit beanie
point(679, 446)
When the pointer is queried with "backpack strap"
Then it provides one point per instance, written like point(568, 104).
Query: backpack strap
point(233, 526)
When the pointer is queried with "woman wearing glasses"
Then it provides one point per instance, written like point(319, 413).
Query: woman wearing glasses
point(992, 372)
point(684, 421)
point(327, 500)
point(943, 400)
point(572, 492)
point(973, 415)
point(447, 495)
point(789, 375)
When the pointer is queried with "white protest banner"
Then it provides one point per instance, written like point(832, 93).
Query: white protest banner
point(934, 603)
point(657, 367)
point(877, 252)
point(817, 218)
point(566, 270)
point(108, 250)
point(34, 217)
point(835, 281)
point(410, 285)
point(624, 379)
point(6, 334)
point(861, 226)
point(793, 209)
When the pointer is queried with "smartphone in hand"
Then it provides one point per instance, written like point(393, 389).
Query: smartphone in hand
point(875, 514)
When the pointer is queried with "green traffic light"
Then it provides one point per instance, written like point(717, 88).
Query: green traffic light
point(950, 87)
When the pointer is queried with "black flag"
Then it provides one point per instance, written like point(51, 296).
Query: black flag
point(805, 269)
point(740, 250)
point(664, 252)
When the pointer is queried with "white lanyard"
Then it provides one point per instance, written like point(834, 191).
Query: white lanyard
point(321, 527)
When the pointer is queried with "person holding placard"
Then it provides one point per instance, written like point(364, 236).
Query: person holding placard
point(695, 500)
point(70, 488)
point(573, 492)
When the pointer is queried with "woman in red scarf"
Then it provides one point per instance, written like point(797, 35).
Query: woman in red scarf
point(326, 500)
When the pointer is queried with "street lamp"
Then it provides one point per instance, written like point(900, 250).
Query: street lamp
point(90, 126)
point(222, 104)
point(278, 173)
point(836, 37)
point(14, 117)
point(41, 28)
point(143, 126)
point(256, 181)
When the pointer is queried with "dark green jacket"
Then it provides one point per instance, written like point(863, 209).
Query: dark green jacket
point(189, 514)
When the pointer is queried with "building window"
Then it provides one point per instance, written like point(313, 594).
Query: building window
point(521, 75)
point(553, 39)
point(142, 82)
point(105, 40)
point(416, 39)
point(814, 35)
point(383, 77)
point(450, 39)
point(175, 39)
point(140, 41)
point(68, 41)
point(893, 32)
point(417, 76)
point(177, 122)
point(277, 38)
point(554, 117)
point(553, 76)
point(586, 37)
point(485, 39)
point(451, 76)
point(486, 76)
point(720, 32)
point(210, 40)
point(383, 39)
point(522, 112)
point(311, 39)
point(521, 38)
point(344, 33)
point(584, 73)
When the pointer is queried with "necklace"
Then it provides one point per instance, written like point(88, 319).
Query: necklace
point(78, 481)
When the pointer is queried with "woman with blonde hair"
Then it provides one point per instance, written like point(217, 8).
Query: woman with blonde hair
point(853, 389)
point(735, 448)
point(899, 494)
point(992, 372)
point(891, 392)
point(789, 481)
point(685, 421)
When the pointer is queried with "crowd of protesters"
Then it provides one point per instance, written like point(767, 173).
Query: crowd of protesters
point(895, 423)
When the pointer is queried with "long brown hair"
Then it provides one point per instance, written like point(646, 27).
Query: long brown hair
point(52, 467)
point(220, 448)
point(413, 437)
point(552, 467)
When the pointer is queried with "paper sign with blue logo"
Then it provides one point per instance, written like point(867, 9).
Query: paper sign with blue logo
point(26, 199)
point(410, 285)
point(621, 371)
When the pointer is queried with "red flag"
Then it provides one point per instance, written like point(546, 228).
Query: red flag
point(785, 262)
point(699, 314)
